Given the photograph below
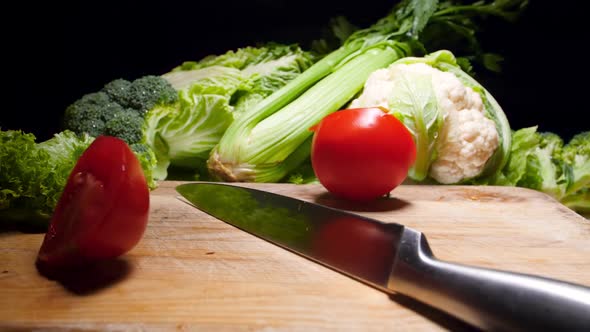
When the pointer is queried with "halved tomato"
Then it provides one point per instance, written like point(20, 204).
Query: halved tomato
point(103, 210)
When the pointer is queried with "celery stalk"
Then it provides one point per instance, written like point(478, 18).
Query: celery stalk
point(266, 143)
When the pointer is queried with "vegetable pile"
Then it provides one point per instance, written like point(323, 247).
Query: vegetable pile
point(213, 93)
point(271, 139)
point(245, 115)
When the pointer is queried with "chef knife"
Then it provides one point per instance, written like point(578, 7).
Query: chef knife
point(396, 259)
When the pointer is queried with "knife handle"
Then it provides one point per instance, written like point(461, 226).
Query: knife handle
point(491, 300)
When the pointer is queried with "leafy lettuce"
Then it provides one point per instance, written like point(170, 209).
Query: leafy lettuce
point(213, 93)
point(33, 175)
point(541, 161)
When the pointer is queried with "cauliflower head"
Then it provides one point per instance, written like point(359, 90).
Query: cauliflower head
point(455, 139)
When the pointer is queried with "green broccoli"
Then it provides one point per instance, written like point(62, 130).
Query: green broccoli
point(107, 111)
point(119, 91)
point(149, 91)
point(90, 113)
point(126, 124)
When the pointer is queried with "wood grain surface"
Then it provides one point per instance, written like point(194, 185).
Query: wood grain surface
point(193, 272)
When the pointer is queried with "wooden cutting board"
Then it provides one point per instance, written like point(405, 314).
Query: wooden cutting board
point(194, 272)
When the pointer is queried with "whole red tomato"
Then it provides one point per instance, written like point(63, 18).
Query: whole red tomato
point(361, 154)
point(103, 210)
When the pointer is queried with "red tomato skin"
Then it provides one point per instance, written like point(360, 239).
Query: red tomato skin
point(104, 208)
point(362, 248)
point(361, 154)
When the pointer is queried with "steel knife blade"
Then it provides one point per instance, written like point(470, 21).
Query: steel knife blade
point(396, 259)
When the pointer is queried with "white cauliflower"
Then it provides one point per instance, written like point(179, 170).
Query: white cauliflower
point(466, 139)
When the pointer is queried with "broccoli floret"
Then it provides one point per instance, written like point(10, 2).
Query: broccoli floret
point(119, 91)
point(118, 109)
point(142, 94)
point(126, 124)
point(148, 91)
point(90, 113)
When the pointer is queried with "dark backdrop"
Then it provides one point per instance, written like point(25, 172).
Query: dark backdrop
point(53, 54)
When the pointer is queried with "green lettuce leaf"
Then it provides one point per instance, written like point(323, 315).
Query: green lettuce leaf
point(544, 168)
point(185, 132)
point(578, 201)
point(213, 93)
point(541, 161)
point(32, 176)
point(243, 57)
point(413, 101)
point(524, 142)
point(577, 154)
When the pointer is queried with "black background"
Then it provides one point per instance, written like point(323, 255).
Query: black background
point(53, 54)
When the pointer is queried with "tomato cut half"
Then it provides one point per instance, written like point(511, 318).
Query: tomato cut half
point(103, 210)
point(361, 154)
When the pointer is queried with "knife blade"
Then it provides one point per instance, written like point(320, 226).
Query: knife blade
point(396, 259)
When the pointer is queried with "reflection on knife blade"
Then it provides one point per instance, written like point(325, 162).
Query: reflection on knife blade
point(363, 249)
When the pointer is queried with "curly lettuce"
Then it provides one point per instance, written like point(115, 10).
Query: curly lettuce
point(33, 175)
point(541, 161)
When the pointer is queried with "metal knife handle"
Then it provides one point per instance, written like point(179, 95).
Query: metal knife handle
point(488, 299)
